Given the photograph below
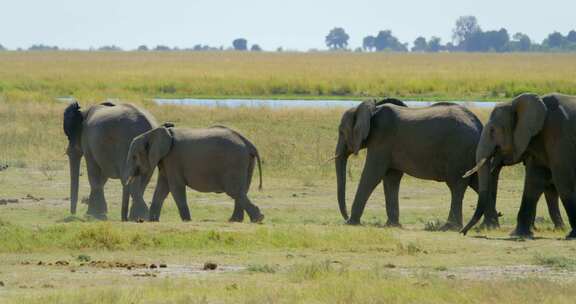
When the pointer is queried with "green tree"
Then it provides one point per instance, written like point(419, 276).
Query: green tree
point(162, 48)
point(571, 37)
point(240, 44)
point(435, 45)
point(385, 41)
point(337, 39)
point(110, 48)
point(466, 27)
point(420, 45)
point(554, 41)
point(42, 47)
point(520, 43)
point(255, 48)
point(142, 48)
point(368, 43)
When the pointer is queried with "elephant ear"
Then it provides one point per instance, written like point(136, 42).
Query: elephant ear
point(530, 116)
point(158, 145)
point(361, 128)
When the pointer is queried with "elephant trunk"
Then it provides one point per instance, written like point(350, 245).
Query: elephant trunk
point(74, 159)
point(485, 160)
point(483, 196)
point(341, 160)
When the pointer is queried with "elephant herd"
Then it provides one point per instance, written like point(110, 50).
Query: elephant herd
point(444, 142)
point(125, 142)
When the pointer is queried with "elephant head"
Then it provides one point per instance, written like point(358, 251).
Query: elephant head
point(146, 151)
point(504, 141)
point(73, 119)
point(352, 133)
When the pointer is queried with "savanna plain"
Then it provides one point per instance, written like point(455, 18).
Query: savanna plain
point(302, 253)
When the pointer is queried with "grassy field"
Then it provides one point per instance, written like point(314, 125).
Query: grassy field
point(301, 254)
point(142, 75)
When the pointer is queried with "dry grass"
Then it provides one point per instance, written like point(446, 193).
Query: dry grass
point(135, 75)
point(302, 253)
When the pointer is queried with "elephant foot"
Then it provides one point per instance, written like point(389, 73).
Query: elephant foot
point(490, 224)
point(571, 235)
point(97, 216)
point(559, 227)
point(393, 225)
point(353, 222)
point(524, 233)
point(257, 219)
point(138, 213)
point(451, 226)
point(234, 219)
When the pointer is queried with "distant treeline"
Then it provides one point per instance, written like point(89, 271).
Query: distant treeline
point(467, 36)
point(239, 44)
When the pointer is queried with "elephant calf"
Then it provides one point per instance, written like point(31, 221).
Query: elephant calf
point(216, 159)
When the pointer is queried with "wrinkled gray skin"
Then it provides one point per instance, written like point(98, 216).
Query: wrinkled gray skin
point(102, 134)
point(216, 159)
point(539, 132)
point(434, 143)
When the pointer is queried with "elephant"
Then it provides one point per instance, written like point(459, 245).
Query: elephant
point(540, 132)
point(433, 143)
point(102, 134)
point(216, 159)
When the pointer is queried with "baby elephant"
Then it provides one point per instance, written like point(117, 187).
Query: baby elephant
point(216, 159)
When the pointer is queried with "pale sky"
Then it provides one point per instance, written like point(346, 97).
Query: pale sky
point(292, 24)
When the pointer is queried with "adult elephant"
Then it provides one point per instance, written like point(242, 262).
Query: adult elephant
point(102, 134)
point(539, 132)
point(434, 143)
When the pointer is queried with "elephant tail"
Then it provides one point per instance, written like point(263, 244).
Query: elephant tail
point(257, 156)
point(73, 121)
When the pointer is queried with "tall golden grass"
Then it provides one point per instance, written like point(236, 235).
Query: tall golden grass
point(144, 75)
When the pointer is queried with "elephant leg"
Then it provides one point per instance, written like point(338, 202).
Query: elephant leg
point(160, 194)
point(553, 207)
point(97, 206)
point(564, 178)
point(371, 176)
point(238, 213)
point(391, 184)
point(491, 214)
point(569, 202)
point(179, 195)
point(534, 184)
point(457, 190)
point(139, 209)
point(253, 211)
point(125, 203)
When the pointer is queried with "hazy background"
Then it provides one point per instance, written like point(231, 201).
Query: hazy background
point(294, 24)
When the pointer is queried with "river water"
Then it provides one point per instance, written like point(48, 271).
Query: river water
point(280, 103)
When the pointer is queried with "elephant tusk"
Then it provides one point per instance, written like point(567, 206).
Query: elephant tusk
point(333, 158)
point(129, 181)
point(475, 169)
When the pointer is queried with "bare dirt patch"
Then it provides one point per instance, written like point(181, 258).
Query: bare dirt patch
point(138, 269)
point(492, 273)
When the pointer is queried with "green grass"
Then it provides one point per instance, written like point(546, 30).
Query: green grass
point(302, 253)
point(137, 75)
